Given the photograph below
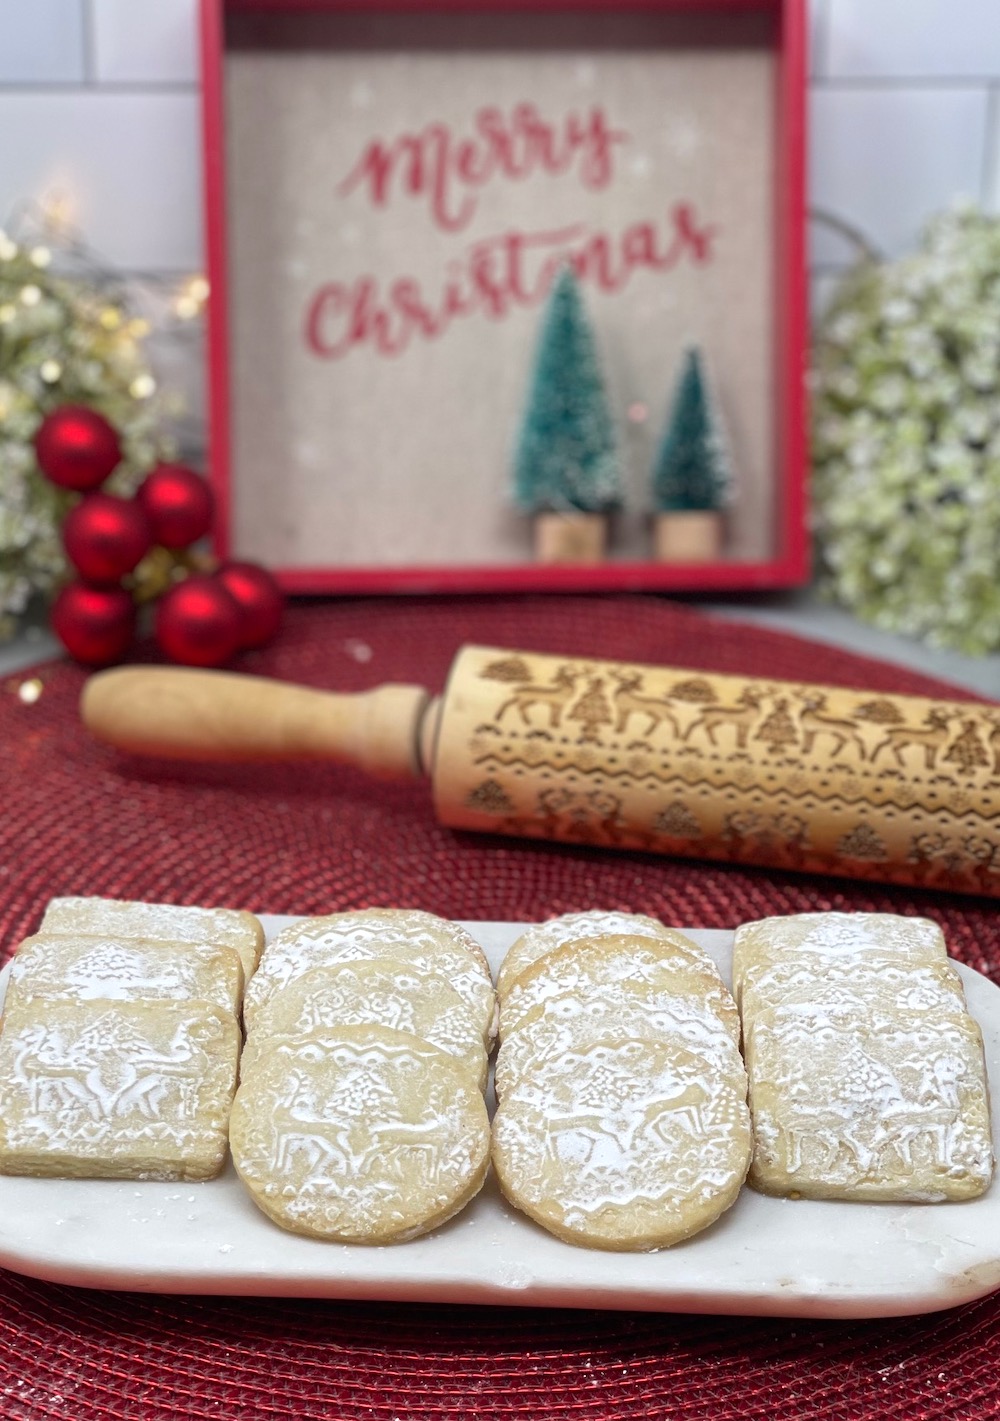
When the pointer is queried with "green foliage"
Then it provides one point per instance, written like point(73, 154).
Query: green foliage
point(691, 471)
point(567, 456)
point(63, 340)
point(906, 439)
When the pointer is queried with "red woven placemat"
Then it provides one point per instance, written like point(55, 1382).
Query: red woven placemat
point(78, 818)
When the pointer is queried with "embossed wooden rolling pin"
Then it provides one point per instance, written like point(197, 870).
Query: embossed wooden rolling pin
point(779, 774)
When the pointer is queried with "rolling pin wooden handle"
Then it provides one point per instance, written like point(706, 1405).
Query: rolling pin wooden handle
point(213, 715)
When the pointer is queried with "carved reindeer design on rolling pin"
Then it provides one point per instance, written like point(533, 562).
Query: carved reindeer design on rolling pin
point(814, 723)
point(555, 728)
point(993, 740)
point(557, 695)
point(740, 717)
point(931, 737)
point(628, 702)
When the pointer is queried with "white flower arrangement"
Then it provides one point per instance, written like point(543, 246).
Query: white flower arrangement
point(906, 438)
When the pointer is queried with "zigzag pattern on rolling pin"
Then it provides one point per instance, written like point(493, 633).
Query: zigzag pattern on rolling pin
point(746, 769)
point(749, 770)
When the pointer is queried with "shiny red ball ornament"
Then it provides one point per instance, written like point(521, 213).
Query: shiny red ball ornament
point(105, 537)
point(178, 503)
point(77, 448)
point(257, 595)
point(198, 622)
point(95, 624)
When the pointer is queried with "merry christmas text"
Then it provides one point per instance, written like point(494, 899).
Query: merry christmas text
point(493, 277)
point(446, 169)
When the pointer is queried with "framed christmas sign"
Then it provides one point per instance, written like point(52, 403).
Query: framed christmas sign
point(508, 295)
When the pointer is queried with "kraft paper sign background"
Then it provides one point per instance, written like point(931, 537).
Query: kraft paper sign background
point(399, 198)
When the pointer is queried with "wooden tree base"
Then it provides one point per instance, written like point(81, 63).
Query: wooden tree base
point(688, 537)
point(570, 537)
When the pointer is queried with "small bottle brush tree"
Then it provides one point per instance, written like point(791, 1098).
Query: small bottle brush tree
point(566, 470)
point(691, 476)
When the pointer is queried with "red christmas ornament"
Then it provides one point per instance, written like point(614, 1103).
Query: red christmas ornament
point(198, 622)
point(258, 598)
point(77, 448)
point(105, 537)
point(178, 503)
point(94, 624)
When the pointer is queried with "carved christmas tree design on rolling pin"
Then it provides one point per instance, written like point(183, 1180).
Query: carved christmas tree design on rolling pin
point(612, 754)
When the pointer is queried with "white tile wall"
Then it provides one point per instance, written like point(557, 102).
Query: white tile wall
point(882, 158)
point(98, 99)
point(127, 162)
point(144, 43)
point(913, 39)
point(42, 42)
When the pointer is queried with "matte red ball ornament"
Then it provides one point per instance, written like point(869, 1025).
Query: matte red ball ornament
point(77, 448)
point(178, 503)
point(198, 622)
point(257, 595)
point(95, 624)
point(105, 537)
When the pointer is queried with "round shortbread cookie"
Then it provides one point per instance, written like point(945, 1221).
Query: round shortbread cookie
point(625, 1011)
point(378, 993)
point(590, 965)
point(421, 940)
point(542, 938)
point(630, 1145)
point(374, 1138)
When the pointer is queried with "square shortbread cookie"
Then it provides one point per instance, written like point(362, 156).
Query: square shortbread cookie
point(887, 1106)
point(169, 922)
point(877, 979)
point(850, 937)
point(79, 969)
point(118, 1090)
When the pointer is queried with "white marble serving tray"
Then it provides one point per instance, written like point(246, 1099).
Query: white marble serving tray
point(765, 1256)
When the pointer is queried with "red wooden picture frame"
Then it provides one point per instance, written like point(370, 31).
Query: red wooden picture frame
point(789, 565)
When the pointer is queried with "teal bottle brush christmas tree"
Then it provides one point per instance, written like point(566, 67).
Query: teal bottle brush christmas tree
point(691, 477)
point(691, 471)
point(566, 469)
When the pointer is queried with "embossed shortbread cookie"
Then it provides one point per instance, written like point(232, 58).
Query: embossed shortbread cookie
point(832, 936)
point(119, 917)
point(77, 968)
point(626, 1011)
point(879, 981)
point(591, 965)
point(624, 1144)
point(420, 940)
point(116, 1090)
point(389, 994)
point(375, 1139)
point(890, 1106)
point(541, 938)
point(935, 989)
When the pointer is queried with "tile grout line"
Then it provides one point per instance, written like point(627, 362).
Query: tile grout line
point(86, 86)
point(988, 179)
point(829, 268)
point(958, 83)
point(89, 43)
point(821, 47)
